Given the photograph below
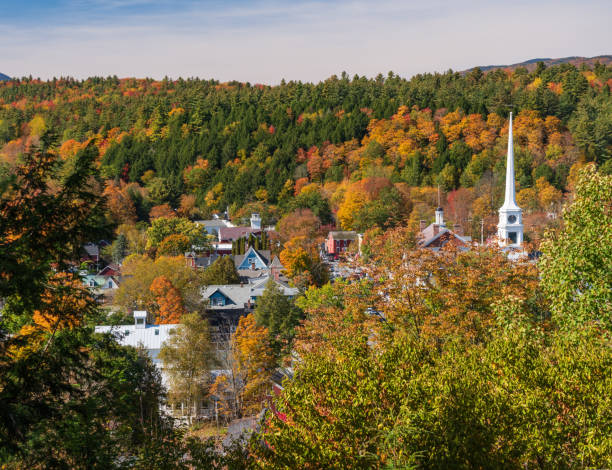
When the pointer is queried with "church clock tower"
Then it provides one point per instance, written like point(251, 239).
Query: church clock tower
point(510, 226)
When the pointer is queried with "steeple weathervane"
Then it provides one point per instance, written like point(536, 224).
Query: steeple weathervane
point(510, 226)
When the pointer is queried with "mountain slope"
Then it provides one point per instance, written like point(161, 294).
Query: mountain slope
point(532, 63)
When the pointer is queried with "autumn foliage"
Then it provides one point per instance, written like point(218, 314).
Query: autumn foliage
point(169, 301)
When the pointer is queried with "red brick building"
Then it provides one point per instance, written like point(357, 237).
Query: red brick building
point(338, 241)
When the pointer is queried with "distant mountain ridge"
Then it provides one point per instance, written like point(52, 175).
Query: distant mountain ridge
point(532, 63)
point(4, 77)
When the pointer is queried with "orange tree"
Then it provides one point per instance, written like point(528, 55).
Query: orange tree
point(170, 306)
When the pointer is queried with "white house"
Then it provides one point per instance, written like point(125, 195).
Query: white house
point(141, 334)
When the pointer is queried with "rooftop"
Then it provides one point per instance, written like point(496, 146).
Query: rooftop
point(149, 337)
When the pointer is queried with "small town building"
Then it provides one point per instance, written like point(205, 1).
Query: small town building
point(212, 226)
point(142, 334)
point(230, 234)
point(97, 282)
point(338, 241)
point(435, 236)
point(227, 303)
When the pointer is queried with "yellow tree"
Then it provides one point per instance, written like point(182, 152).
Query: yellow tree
point(174, 245)
point(120, 204)
point(64, 303)
point(547, 194)
point(139, 273)
point(249, 361)
point(301, 262)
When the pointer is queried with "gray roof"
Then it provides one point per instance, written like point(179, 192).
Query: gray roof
point(428, 235)
point(240, 294)
point(253, 274)
point(92, 249)
point(344, 235)
point(205, 261)
point(276, 263)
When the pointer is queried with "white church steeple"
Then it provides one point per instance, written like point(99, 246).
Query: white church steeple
point(510, 226)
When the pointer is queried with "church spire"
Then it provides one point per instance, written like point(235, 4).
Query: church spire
point(510, 226)
point(510, 199)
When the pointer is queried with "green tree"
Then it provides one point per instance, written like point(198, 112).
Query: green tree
point(188, 357)
point(222, 271)
point(119, 248)
point(576, 263)
point(279, 315)
point(61, 385)
point(163, 227)
point(591, 128)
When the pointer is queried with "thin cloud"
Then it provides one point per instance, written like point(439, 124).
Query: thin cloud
point(308, 40)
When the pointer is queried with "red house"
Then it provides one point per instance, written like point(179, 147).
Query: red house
point(338, 241)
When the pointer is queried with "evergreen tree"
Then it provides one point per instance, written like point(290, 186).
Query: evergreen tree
point(120, 248)
point(279, 315)
point(222, 271)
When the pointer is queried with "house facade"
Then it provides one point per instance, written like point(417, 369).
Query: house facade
point(337, 242)
point(436, 235)
point(227, 303)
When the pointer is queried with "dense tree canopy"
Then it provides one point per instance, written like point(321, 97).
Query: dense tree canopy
point(190, 147)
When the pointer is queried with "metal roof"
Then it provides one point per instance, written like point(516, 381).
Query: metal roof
point(150, 337)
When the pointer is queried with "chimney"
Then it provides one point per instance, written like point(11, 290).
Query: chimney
point(140, 318)
point(440, 217)
point(255, 221)
point(458, 230)
point(423, 225)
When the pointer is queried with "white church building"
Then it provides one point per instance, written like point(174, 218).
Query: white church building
point(510, 226)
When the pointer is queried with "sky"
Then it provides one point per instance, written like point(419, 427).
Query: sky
point(264, 41)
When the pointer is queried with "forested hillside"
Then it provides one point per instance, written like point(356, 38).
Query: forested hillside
point(354, 147)
point(531, 64)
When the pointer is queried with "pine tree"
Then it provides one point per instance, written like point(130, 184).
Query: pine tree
point(120, 247)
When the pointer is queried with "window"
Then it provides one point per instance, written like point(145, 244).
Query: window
point(127, 332)
point(156, 331)
point(218, 301)
point(140, 321)
point(512, 236)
